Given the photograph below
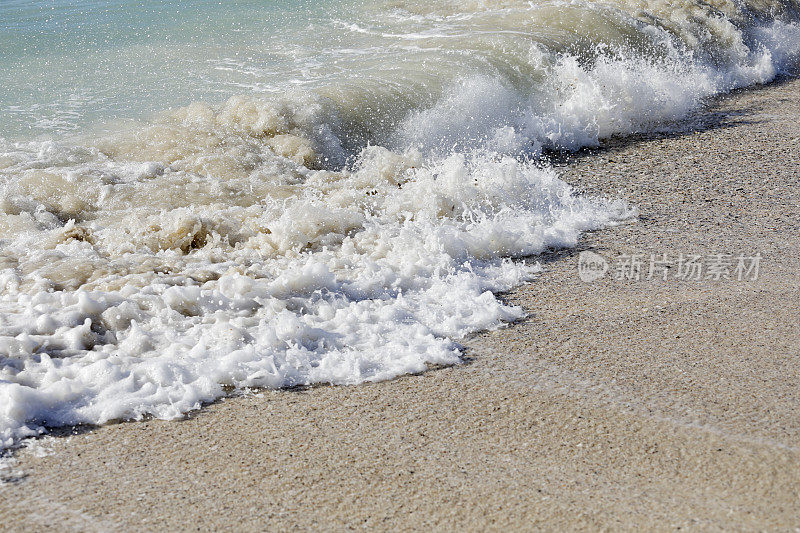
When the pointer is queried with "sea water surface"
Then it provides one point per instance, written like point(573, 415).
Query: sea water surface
point(201, 195)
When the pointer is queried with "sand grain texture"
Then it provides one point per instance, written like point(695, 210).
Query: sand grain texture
point(617, 404)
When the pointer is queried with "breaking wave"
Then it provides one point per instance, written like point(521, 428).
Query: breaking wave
point(351, 228)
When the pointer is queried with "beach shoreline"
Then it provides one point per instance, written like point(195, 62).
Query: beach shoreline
point(616, 404)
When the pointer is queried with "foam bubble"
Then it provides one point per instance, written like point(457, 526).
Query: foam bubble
point(355, 276)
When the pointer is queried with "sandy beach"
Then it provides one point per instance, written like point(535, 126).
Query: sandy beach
point(616, 404)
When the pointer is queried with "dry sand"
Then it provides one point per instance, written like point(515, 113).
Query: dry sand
point(617, 404)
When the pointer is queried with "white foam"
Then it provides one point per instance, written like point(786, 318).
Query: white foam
point(581, 102)
point(383, 288)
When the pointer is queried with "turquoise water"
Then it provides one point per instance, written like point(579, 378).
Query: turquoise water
point(66, 64)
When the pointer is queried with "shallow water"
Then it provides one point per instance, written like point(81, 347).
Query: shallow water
point(197, 195)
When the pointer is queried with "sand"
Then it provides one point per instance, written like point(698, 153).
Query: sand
point(617, 404)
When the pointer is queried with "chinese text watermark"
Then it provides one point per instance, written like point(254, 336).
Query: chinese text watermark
point(679, 267)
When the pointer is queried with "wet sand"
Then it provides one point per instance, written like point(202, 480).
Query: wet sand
point(617, 404)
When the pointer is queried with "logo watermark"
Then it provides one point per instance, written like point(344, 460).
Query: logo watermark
point(681, 267)
point(591, 266)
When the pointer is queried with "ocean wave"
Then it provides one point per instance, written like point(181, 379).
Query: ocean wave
point(349, 231)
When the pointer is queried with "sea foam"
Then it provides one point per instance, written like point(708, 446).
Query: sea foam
point(356, 276)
